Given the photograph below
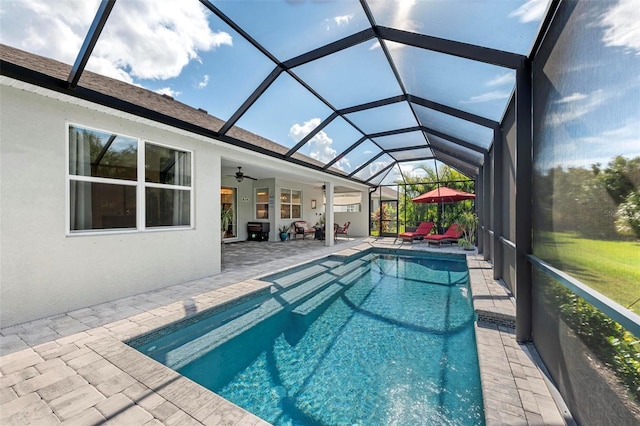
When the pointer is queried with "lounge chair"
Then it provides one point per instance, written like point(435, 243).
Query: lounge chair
point(420, 233)
point(451, 235)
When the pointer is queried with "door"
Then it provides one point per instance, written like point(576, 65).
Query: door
point(389, 218)
point(229, 212)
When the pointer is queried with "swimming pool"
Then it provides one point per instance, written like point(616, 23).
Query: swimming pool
point(380, 339)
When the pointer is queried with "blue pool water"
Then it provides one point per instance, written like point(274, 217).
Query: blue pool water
point(379, 340)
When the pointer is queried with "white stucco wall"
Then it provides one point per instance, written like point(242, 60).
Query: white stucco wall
point(359, 226)
point(45, 272)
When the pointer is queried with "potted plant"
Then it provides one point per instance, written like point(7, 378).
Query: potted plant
point(468, 222)
point(284, 232)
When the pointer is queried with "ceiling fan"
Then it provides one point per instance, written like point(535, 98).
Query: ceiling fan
point(241, 176)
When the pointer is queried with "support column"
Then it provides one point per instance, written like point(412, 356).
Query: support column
point(524, 204)
point(498, 200)
point(328, 214)
point(480, 203)
point(486, 178)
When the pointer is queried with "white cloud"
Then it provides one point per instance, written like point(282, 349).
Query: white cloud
point(499, 80)
point(142, 39)
point(320, 145)
point(597, 148)
point(486, 97)
point(575, 106)
point(343, 20)
point(376, 166)
point(168, 91)
point(574, 97)
point(337, 21)
point(298, 131)
point(413, 170)
point(52, 29)
point(156, 40)
point(622, 22)
point(629, 130)
point(531, 11)
point(204, 82)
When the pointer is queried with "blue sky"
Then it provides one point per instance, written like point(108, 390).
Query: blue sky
point(179, 48)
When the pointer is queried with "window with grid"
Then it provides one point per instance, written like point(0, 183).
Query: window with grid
point(290, 204)
point(115, 185)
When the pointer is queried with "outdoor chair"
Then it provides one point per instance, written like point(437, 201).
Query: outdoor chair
point(302, 228)
point(451, 235)
point(341, 230)
point(420, 233)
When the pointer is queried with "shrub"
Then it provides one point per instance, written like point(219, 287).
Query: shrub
point(610, 342)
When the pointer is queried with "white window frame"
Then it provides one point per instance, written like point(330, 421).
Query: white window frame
point(140, 184)
point(291, 204)
point(144, 185)
point(256, 203)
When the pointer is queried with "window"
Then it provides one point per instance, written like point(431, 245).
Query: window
point(290, 204)
point(347, 202)
point(167, 186)
point(104, 177)
point(351, 208)
point(262, 203)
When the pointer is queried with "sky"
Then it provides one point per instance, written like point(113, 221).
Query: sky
point(593, 105)
point(180, 49)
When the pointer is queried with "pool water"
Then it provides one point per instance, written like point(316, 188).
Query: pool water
point(380, 340)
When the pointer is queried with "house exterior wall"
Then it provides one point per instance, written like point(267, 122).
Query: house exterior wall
point(359, 226)
point(311, 216)
point(44, 271)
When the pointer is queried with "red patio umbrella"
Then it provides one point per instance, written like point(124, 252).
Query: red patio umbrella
point(443, 195)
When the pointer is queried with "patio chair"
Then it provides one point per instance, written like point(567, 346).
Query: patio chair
point(451, 235)
point(302, 228)
point(341, 230)
point(420, 233)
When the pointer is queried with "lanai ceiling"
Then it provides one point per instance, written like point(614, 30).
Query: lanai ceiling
point(369, 90)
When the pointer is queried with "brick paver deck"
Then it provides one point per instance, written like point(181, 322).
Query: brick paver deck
point(75, 369)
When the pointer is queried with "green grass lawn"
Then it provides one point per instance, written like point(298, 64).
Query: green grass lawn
point(610, 267)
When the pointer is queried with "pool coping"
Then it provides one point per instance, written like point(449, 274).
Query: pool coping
point(93, 376)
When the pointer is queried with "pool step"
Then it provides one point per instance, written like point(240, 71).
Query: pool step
point(346, 268)
point(305, 289)
point(316, 286)
point(311, 287)
point(300, 276)
point(327, 294)
point(333, 267)
point(192, 350)
point(317, 300)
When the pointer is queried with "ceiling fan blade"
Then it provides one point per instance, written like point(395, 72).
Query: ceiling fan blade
point(249, 177)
